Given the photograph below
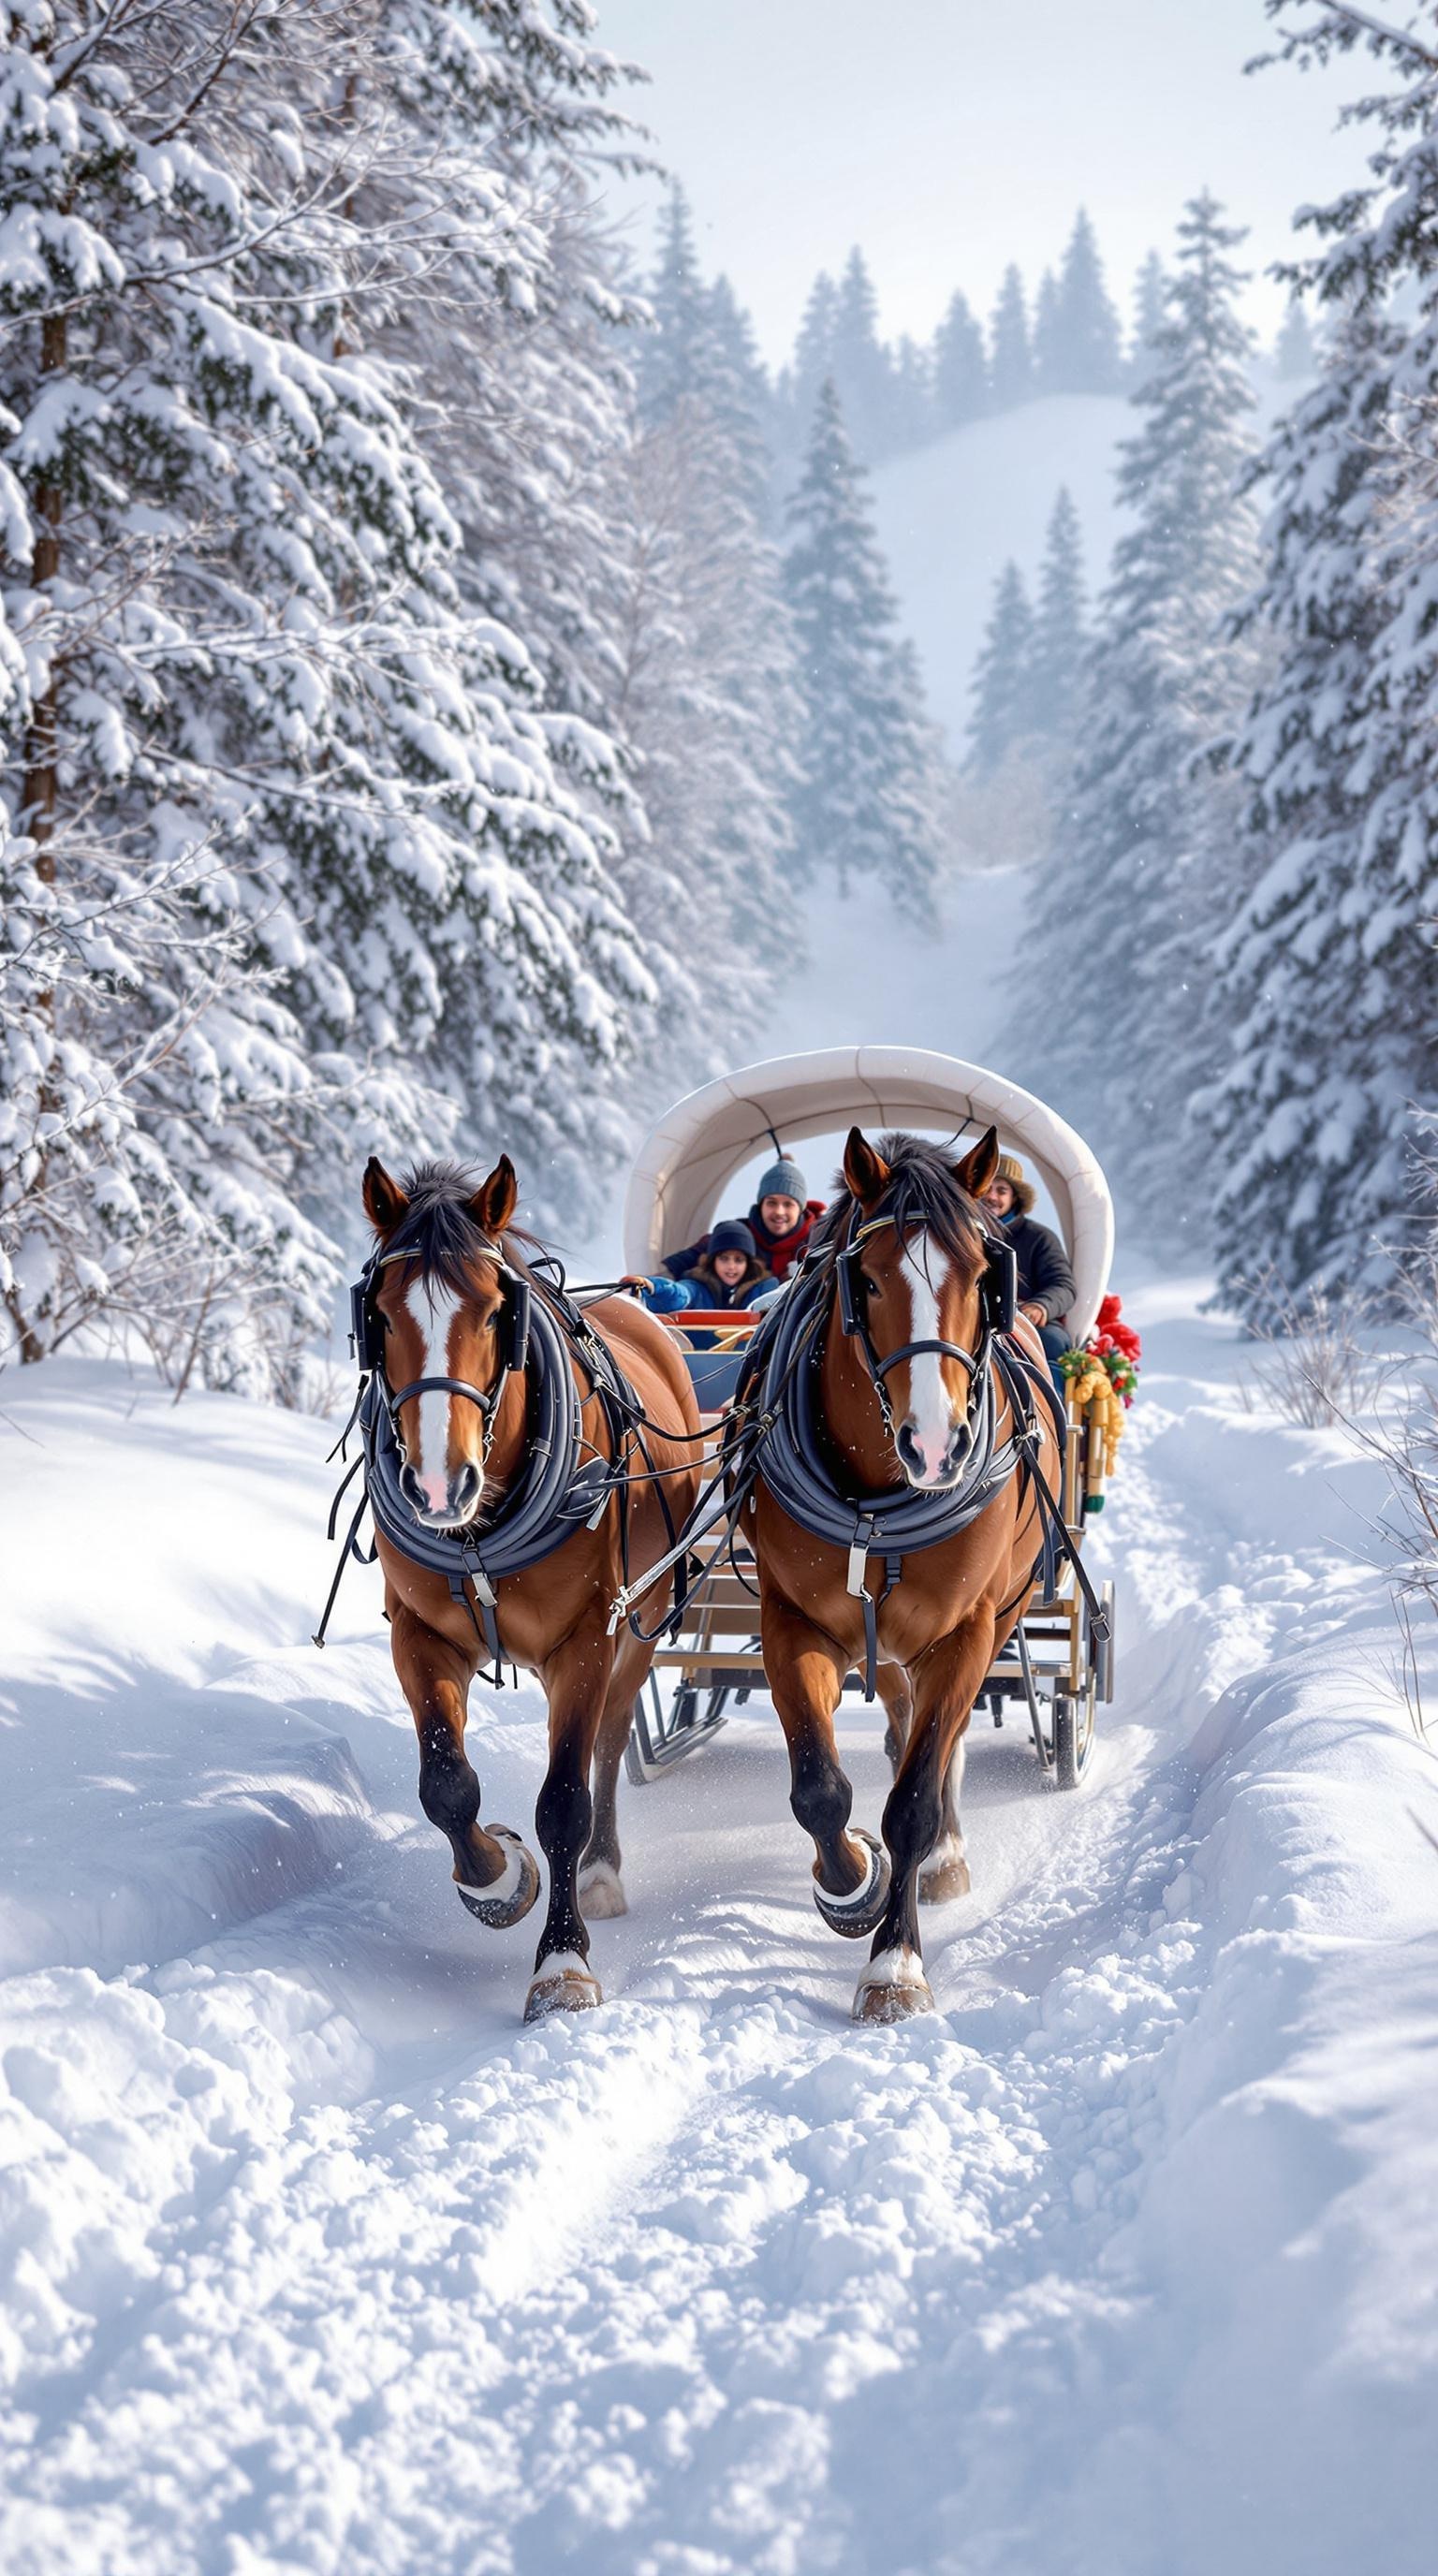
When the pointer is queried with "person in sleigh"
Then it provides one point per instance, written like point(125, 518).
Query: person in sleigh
point(780, 1223)
point(1046, 1279)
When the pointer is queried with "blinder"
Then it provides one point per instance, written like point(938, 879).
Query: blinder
point(367, 1324)
point(999, 1288)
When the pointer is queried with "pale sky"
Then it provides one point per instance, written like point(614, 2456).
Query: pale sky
point(948, 137)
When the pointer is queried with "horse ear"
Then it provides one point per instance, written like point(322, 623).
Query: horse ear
point(866, 1173)
point(494, 1202)
point(385, 1203)
point(978, 1168)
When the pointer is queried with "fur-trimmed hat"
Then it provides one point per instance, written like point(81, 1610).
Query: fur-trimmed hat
point(1013, 1172)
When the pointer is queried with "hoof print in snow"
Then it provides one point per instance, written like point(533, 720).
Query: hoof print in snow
point(568, 1990)
point(601, 1894)
point(508, 1898)
point(858, 1912)
point(894, 1988)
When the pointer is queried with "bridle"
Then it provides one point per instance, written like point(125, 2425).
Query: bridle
point(368, 1328)
point(998, 1311)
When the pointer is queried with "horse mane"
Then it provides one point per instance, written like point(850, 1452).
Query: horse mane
point(438, 1231)
point(924, 1189)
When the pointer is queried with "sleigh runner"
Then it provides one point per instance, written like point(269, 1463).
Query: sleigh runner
point(1058, 1667)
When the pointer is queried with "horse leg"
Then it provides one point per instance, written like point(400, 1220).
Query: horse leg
point(946, 1678)
point(893, 1689)
point(601, 1889)
point(498, 1880)
point(945, 1873)
point(577, 1678)
point(805, 1672)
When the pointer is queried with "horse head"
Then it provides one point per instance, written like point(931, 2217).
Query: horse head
point(446, 1296)
point(918, 1252)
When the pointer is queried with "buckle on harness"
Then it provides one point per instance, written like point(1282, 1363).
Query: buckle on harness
point(859, 1547)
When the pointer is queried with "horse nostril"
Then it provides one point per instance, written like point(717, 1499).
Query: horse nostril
point(409, 1486)
point(466, 1487)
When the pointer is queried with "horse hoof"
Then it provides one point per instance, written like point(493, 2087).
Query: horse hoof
point(893, 1987)
point(508, 1898)
point(561, 1987)
point(942, 1880)
point(858, 1913)
point(601, 1893)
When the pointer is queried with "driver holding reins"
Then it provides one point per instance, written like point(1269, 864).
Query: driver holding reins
point(1046, 1281)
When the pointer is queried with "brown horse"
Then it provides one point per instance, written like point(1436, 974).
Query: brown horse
point(446, 1276)
point(895, 1405)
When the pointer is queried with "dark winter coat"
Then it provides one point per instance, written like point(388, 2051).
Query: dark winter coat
point(779, 1252)
point(1045, 1273)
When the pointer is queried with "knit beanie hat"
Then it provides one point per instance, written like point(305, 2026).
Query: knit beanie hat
point(1013, 1172)
point(783, 1180)
point(732, 1235)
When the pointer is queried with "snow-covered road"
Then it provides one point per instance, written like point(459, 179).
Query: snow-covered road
point(316, 2260)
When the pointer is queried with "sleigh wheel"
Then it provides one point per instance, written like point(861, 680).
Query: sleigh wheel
point(1073, 1731)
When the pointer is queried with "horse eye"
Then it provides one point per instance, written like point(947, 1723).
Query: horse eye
point(869, 1286)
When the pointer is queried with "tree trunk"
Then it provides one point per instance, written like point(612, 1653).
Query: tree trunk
point(39, 794)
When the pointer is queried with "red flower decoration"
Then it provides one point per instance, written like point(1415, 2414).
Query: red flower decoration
point(1112, 1335)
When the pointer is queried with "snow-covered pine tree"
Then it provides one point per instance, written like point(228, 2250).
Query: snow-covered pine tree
point(814, 346)
point(960, 367)
point(868, 798)
point(1309, 1111)
point(860, 365)
point(701, 349)
point(1329, 977)
point(1295, 358)
point(233, 575)
point(1140, 875)
point(1150, 289)
point(1003, 685)
point(1060, 634)
point(740, 395)
point(706, 692)
point(156, 1099)
point(701, 661)
point(797, 391)
point(676, 352)
point(1085, 356)
point(913, 415)
point(1048, 345)
point(1011, 375)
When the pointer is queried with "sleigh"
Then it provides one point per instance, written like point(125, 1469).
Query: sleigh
point(1058, 1668)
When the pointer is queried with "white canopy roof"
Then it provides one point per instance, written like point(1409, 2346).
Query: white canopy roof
point(690, 1158)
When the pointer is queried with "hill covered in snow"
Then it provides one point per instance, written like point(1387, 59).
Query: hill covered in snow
point(950, 516)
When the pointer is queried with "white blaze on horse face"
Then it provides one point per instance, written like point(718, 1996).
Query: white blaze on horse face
point(931, 1407)
point(434, 1309)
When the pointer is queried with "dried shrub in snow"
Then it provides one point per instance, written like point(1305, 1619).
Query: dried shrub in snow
point(1319, 1368)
